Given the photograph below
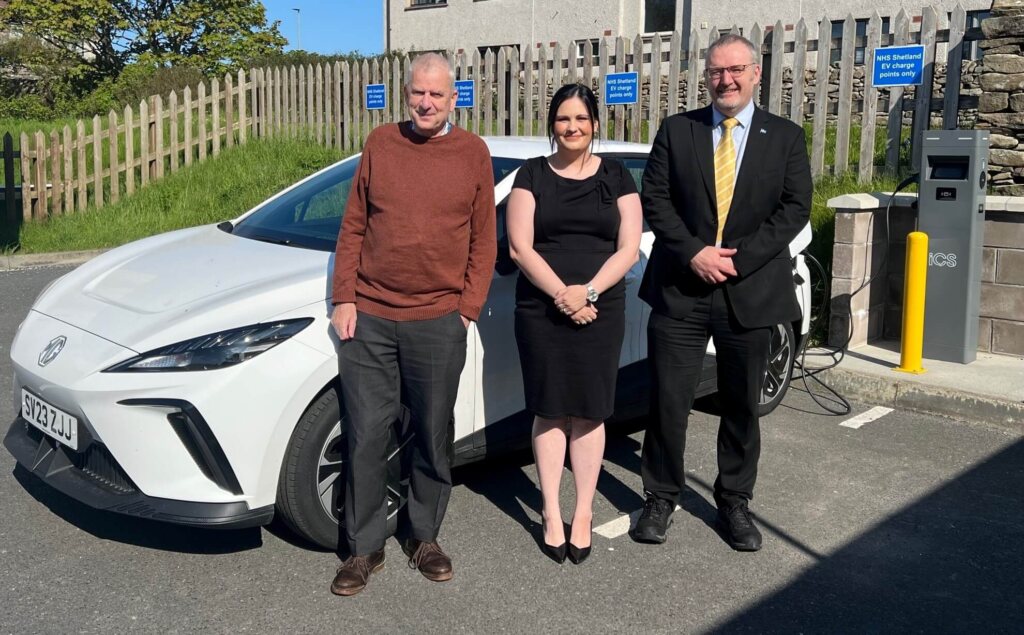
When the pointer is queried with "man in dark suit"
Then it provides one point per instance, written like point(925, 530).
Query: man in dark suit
point(727, 187)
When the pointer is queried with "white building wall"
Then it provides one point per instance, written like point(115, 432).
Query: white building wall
point(708, 14)
point(467, 24)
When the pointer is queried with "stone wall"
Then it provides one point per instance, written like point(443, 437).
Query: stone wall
point(1001, 105)
point(865, 256)
point(970, 94)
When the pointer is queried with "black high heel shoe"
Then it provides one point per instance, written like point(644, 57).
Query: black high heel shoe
point(578, 554)
point(555, 553)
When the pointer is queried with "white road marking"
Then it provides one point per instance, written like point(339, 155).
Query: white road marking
point(866, 417)
point(619, 526)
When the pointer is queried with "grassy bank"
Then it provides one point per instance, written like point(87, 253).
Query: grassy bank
point(823, 218)
point(29, 126)
point(208, 192)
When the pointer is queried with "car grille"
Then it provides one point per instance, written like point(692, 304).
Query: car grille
point(95, 462)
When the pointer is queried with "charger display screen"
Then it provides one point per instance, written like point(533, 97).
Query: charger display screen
point(948, 168)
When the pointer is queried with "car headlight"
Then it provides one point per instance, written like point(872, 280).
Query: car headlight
point(216, 350)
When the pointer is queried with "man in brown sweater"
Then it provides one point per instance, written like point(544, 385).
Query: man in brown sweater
point(413, 264)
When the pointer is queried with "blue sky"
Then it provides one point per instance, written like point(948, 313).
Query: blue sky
point(330, 26)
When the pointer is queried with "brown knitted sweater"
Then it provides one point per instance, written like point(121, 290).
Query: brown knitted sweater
point(418, 237)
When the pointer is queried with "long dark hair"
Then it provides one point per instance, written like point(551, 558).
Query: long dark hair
point(568, 92)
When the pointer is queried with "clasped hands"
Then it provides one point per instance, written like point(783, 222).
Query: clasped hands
point(572, 301)
point(714, 264)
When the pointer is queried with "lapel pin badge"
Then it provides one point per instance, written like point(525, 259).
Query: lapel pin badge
point(763, 131)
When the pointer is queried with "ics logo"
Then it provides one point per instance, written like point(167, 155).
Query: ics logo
point(939, 259)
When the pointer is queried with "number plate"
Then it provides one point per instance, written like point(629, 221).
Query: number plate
point(52, 421)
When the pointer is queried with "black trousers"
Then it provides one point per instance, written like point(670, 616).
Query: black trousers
point(385, 364)
point(675, 353)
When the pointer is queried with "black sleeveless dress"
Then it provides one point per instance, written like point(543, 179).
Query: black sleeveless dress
point(570, 369)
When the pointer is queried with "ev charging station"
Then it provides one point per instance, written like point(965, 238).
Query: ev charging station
point(951, 211)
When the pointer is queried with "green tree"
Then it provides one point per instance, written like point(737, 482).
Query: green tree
point(35, 74)
point(100, 37)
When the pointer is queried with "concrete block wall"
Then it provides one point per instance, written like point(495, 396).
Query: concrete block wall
point(1002, 288)
point(866, 255)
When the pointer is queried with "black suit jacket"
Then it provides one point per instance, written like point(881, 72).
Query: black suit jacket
point(771, 204)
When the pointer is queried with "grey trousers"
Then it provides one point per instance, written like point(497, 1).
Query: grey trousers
point(386, 364)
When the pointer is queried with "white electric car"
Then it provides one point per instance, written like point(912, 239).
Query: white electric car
point(191, 377)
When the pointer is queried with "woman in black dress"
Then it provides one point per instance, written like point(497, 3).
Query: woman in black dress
point(574, 226)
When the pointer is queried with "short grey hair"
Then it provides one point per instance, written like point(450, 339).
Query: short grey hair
point(428, 61)
point(727, 39)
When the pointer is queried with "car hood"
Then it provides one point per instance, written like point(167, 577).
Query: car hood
point(184, 284)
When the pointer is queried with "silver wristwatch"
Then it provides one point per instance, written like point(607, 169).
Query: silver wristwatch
point(592, 294)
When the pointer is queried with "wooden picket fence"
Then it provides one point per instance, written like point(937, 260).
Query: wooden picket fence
point(91, 166)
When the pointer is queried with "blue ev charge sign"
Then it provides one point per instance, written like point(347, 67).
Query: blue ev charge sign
point(466, 89)
point(897, 66)
point(376, 97)
point(620, 89)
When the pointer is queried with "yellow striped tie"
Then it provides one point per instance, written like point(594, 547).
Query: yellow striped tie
point(725, 173)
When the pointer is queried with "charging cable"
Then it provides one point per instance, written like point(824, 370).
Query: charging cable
point(837, 353)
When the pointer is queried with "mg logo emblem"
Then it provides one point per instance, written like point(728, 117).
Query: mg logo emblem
point(52, 350)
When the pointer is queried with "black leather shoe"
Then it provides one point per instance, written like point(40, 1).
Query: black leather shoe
point(738, 528)
point(655, 519)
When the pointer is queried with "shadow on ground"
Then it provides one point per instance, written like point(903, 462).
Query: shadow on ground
point(138, 531)
point(951, 562)
point(506, 480)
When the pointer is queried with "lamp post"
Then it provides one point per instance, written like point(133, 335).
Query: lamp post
point(298, 28)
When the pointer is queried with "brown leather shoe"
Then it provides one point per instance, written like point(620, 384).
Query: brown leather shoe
point(354, 572)
point(429, 559)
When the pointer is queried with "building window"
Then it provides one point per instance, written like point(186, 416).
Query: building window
point(659, 15)
point(426, 3)
point(860, 33)
point(585, 46)
point(971, 50)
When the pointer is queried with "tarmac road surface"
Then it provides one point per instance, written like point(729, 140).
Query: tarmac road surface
point(906, 523)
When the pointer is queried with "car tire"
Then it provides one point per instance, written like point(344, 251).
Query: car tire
point(781, 353)
point(311, 488)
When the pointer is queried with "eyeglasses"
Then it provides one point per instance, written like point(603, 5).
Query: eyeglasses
point(735, 71)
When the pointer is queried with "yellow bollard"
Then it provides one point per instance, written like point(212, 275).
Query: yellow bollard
point(912, 342)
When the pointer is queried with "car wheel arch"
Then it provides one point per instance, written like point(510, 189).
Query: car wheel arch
point(322, 379)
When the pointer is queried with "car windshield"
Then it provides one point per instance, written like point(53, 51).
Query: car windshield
point(309, 215)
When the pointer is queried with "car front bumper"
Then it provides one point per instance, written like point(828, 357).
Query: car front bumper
point(94, 477)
